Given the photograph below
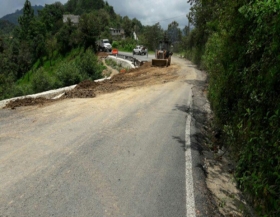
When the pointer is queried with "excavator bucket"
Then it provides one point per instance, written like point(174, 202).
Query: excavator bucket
point(159, 62)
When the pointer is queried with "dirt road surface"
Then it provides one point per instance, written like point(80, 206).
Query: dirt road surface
point(120, 152)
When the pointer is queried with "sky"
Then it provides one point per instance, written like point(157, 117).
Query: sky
point(147, 11)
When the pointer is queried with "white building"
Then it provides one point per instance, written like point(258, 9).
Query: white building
point(117, 33)
point(74, 18)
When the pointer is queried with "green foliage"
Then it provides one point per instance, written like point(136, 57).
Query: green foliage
point(41, 81)
point(7, 76)
point(115, 44)
point(40, 53)
point(6, 27)
point(174, 33)
point(64, 37)
point(83, 6)
point(68, 74)
point(89, 28)
point(51, 16)
point(88, 65)
point(51, 44)
point(115, 65)
point(127, 26)
point(25, 20)
point(152, 36)
point(237, 42)
point(125, 45)
point(21, 90)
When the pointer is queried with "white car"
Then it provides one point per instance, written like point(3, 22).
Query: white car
point(139, 49)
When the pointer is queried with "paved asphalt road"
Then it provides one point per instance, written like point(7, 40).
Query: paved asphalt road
point(119, 154)
point(139, 57)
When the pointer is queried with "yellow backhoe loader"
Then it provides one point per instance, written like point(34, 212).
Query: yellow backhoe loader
point(162, 55)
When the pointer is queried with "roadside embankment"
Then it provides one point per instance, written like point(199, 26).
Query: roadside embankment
point(57, 93)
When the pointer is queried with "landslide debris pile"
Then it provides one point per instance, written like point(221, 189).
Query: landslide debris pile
point(144, 75)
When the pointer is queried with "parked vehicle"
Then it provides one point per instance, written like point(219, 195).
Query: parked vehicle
point(104, 45)
point(140, 50)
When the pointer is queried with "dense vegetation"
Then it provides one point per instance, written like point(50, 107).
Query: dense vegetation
point(41, 51)
point(44, 53)
point(6, 27)
point(238, 43)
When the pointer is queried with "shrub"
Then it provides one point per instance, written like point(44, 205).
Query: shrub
point(242, 58)
point(115, 44)
point(68, 74)
point(22, 90)
point(88, 65)
point(41, 81)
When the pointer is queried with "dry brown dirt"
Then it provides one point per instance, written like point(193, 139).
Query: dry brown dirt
point(144, 75)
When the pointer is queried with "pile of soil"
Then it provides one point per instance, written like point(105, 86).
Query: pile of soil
point(142, 76)
point(87, 84)
point(79, 93)
point(102, 54)
point(28, 102)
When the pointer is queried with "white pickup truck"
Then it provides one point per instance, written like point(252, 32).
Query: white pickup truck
point(139, 49)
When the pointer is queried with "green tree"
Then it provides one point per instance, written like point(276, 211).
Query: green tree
point(51, 46)
point(25, 21)
point(152, 36)
point(24, 58)
point(90, 5)
point(174, 32)
point(88, 65)
point(81, 6)
point(237, 42)
point(71, 5)
point(51, 15)
point(8, 69)
point(137, 26)
point(103, 19)
point(1, 45)
point(38, 35)
point(127, 26)
point(89, 29)
point(41, 81)
point(64, 37)
point(110, 10)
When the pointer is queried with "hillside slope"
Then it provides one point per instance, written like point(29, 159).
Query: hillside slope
point(13, 17)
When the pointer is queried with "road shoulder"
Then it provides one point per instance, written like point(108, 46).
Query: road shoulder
point(216, 192)
point(206, 206)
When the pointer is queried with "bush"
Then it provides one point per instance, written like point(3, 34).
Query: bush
point(22, 90)
point(115, 44)
point(68, 74)
point(242, 58)
point(88, 65)
point(114, 64)
point(127, 44)
point(41, 81)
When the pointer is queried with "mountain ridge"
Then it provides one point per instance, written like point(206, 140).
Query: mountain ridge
point(13, 17)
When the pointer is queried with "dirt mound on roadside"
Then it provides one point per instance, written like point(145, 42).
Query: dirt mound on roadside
point(28, 102)
point(102, 54)
point(87, 84)
point(144, 66)
point(79, 93)
point(142, 76)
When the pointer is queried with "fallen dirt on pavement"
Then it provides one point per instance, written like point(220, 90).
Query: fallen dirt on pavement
point(142, 76)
